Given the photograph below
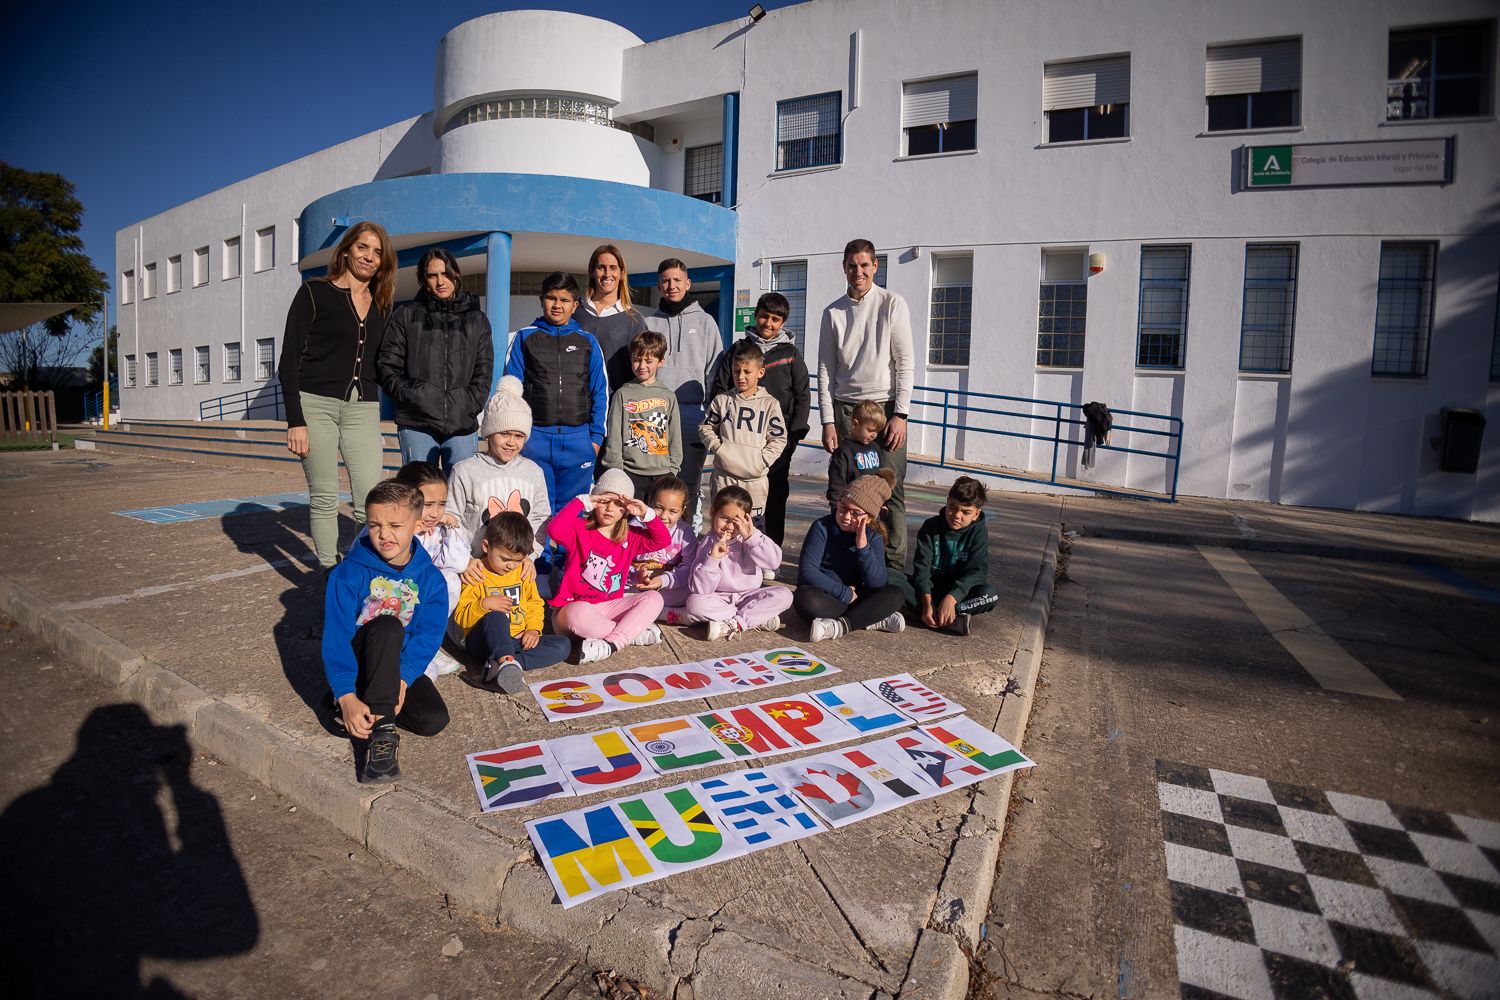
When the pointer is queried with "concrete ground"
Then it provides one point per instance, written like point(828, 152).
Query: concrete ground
point(135, 865)
point(1181, 670)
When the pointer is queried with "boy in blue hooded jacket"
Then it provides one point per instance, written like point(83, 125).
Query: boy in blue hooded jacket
point(564, 382)
point(384, 613)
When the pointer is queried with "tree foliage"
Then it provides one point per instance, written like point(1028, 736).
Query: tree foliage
point(96, 356)
point(41, 253)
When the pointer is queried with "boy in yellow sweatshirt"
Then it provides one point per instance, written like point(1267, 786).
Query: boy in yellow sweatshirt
point(502, 614)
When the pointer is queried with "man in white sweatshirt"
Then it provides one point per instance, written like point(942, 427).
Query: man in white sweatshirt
point(865, 352)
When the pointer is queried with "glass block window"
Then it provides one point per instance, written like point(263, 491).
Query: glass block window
point(1439, 72)
point(231, 362)
point(789, 277)
point(130, 371)
point(1161, 326)
point(200, 266)
point(265, 359)
point(809, 132)
point(201, 373)
point(1269, 311)
point(1063, 309)
point(951, 311)
point(153, 370)
point(1403, 308)
point(703, 173)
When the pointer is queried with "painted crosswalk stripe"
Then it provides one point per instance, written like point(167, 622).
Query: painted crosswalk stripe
point(1327, 661)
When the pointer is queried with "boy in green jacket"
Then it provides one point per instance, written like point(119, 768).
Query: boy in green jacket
point(949, 582)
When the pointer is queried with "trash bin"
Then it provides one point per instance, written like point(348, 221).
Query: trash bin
point(1462, 432)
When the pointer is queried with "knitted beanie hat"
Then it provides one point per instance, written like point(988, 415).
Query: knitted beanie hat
point(506, 410)
point(869, 493)
point(614, 481)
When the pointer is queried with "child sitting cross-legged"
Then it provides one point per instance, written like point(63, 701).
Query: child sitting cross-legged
point(601, 543)
point(841, 576)
point(666, 570)
point(949, 578)
point(727, 573)
point(502, 615)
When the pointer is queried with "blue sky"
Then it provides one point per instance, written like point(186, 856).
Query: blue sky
point(144, 106)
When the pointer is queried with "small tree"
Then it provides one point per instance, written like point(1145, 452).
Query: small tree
point(98, 372)
point(41, 254)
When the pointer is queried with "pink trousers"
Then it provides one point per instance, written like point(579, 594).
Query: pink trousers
point(617, 621)
point(753, 608)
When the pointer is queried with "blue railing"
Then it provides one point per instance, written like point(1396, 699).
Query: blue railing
point(262, 402)
point(951, 412)
point(93, 401)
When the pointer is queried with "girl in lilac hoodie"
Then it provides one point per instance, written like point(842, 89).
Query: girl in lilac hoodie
point(725, 583)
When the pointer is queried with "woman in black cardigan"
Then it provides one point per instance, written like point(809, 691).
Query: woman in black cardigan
point(436, 363)
point(327, 371)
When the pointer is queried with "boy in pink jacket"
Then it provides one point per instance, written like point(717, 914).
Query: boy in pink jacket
point(725, 583)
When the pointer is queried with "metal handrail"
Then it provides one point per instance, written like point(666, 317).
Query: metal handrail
point(240, 405)
point(956, 401)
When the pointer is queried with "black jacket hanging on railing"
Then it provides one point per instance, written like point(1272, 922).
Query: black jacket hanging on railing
point(1097, 422)
point(436, 363)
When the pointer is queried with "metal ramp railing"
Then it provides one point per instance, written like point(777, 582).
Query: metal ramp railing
point(263, 402)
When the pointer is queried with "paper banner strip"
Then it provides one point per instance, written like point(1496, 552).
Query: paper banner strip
point(635, 839)
point(597, 694)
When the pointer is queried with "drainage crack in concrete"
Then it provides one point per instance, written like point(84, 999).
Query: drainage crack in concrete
point(858, 937)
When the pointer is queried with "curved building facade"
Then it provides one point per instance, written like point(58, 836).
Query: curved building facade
point(1276, 222)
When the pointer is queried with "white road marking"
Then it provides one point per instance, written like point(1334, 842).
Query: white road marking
point(1327, 661)
point(167, 588)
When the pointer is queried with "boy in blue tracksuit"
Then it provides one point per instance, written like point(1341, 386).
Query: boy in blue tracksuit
point(563, 381)
point(385, 609)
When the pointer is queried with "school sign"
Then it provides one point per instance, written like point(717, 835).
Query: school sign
point(1350, 164)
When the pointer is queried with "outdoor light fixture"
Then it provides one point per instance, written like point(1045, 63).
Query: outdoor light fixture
point(756, 13)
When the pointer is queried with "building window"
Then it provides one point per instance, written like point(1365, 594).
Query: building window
point(880, 269)
point(1440, 72)
point(952, 307)
point(939, 116)
point(174, 274)
point(703, 173)
point(808, 132)
point(1063, 309)
point(571, 109)
point(127, 288)
point(200, 266)
point(1403, 308)
point(1161, 325)
point(1254, 85)
point(265, 359)
point(153, 374)
point(296, 251)
point(201, 373)
point(789, 277)
point(231, 258)
point(231, 362)
point(148, 281)
point(265, 248)
point(1269, 313)
point(1089, 99)
point(174, 366)
point(130, 371)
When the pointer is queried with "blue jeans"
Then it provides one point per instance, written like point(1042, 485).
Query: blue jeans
point(445, 453)
point(490, 639)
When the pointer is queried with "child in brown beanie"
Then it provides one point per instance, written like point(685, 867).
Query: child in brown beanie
point(841, 576)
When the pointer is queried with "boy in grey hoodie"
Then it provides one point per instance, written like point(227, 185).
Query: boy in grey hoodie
point(643, 432)
point(744, 430)
point(693, 343)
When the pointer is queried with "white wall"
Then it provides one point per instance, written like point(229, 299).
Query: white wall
point(1328, 434)
point(547, 146)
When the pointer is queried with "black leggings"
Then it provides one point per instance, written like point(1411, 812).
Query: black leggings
point(870, 607)
point(377, 647)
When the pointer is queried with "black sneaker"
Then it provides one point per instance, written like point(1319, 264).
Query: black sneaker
point(380, 760)
point(961, 624)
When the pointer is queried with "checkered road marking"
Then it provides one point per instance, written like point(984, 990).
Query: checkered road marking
point(1282, 892)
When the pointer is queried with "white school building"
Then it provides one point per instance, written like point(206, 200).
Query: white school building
point(1278, 221)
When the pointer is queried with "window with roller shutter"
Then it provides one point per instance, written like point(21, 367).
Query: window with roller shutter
point(1087, 99)
point(939, 116)
point(1253, 85)
point(809, 132)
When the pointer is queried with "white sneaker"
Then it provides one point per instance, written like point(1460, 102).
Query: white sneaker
point(724, 630)
point(827, 628)
point(772, 625)
point(649, 636)
point(895, 623)
point(768, 575)
point(444, 664)
point(594, 650)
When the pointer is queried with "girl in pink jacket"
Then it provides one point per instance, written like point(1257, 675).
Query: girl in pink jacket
point(725, 583)
point(601, 543)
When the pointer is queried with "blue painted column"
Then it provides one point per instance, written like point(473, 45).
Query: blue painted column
point(497, 298)
point(725, 318)
point(731, 149)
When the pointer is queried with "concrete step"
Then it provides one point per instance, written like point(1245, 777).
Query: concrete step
point(214, 446)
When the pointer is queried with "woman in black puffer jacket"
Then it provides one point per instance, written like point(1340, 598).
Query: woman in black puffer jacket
point(436, 362)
